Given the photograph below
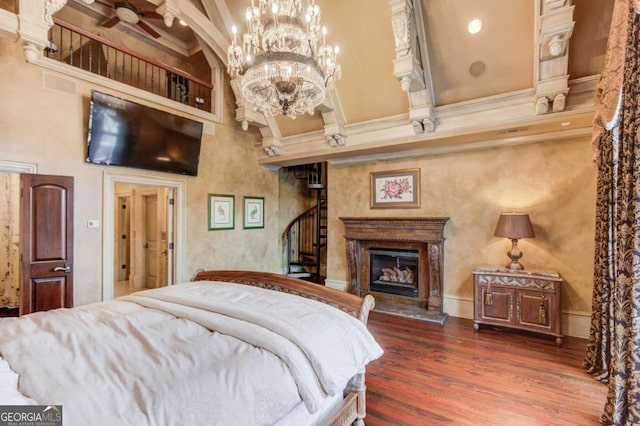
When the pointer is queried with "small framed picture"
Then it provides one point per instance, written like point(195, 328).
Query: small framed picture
point(253, 212)
point(395, 189)
point(221, 212)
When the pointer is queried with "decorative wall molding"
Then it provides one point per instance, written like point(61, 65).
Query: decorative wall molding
point(495, 121)
point(554, 28)
point(411, 65)
point(9, 166)
point(50, 8)
point(334, 120)
point(8, 25)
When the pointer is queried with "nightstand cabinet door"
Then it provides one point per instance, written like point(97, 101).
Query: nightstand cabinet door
point(538, 311)
point(496, 304)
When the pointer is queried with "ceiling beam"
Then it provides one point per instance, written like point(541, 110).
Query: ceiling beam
point(198, 22)
point(411, 65)
point(219, 8)
point(554, 26)
point(480, 123)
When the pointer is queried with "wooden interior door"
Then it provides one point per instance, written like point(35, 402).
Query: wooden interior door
point(46, 223)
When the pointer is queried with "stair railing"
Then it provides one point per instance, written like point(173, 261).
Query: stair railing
point(304, 240)
point(81, 49)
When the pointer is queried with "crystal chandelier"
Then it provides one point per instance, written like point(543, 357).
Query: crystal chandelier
point(284, 64)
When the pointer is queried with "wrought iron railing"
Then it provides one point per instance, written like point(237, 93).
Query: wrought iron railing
point(304, 238)
point(79, 48)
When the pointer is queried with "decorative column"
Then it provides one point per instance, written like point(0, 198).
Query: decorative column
point(35, 19)
point(555, 28)
point(411, 66)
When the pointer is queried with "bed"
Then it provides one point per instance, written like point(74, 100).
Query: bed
point(229, 347)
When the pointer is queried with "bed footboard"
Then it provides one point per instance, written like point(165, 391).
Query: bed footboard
point(352, 410)
point(353, 305)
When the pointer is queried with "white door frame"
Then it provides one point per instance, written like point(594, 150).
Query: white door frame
point(8, 166)
point(109, 181)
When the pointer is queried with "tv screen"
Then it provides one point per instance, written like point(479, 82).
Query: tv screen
point(124, 133)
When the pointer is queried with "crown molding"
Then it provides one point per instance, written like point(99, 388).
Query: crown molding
point(476, 124)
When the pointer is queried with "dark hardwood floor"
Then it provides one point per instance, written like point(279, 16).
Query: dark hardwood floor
point(452, 375)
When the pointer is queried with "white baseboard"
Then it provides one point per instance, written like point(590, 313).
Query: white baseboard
point(574, 323)
point(337, 284)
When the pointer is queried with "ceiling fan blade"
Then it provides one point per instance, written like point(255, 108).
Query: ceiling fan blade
point(150, 14)
point(104, 3)
point(111, 22)
point(153, 33)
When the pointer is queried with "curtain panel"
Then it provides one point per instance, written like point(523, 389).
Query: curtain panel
point(613, 352)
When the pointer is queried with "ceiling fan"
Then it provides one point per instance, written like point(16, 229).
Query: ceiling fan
point(128, 13)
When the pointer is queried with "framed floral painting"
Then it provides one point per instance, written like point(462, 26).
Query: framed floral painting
point(395, 189)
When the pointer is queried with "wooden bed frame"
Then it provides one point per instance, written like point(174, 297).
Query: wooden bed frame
point(352, 410)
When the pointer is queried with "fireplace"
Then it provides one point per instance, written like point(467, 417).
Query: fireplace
point(394, 271)
point(397, 260)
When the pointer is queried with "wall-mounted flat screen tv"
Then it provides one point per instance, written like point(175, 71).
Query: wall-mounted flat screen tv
point(124, 133)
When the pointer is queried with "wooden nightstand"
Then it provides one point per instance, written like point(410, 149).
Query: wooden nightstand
point(525, 300)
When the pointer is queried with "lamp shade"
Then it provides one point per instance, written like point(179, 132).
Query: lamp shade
point(514, 226)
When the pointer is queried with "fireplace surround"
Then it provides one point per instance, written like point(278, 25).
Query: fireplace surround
point(393, 236)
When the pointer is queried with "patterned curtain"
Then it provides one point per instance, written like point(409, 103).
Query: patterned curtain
point(613, 353)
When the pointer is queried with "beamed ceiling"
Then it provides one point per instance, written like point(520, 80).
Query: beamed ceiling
point(414, 80)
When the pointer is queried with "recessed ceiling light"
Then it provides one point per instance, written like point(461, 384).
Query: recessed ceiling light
point(565, 123)
point(475, 26)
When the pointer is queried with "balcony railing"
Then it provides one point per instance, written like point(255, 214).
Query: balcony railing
point(79, 48)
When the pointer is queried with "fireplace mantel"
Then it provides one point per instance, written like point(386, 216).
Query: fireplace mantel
point(419, 229)
point(424, 233)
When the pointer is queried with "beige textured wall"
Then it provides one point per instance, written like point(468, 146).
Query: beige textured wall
point(48, 126)
point(553, 181)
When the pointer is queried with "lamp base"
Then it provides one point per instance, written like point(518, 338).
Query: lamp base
point(515, 266)
point(514, 254)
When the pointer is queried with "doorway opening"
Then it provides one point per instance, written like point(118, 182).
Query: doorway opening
point(143, 242)
point(10, 278)
point(143, 238)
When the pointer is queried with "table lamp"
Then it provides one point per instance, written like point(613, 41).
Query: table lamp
point(514, 226)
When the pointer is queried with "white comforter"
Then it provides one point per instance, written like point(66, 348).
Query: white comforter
point(151, 358)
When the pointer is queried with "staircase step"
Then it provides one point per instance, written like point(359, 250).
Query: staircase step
point(303, 263)
point(300, 274)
